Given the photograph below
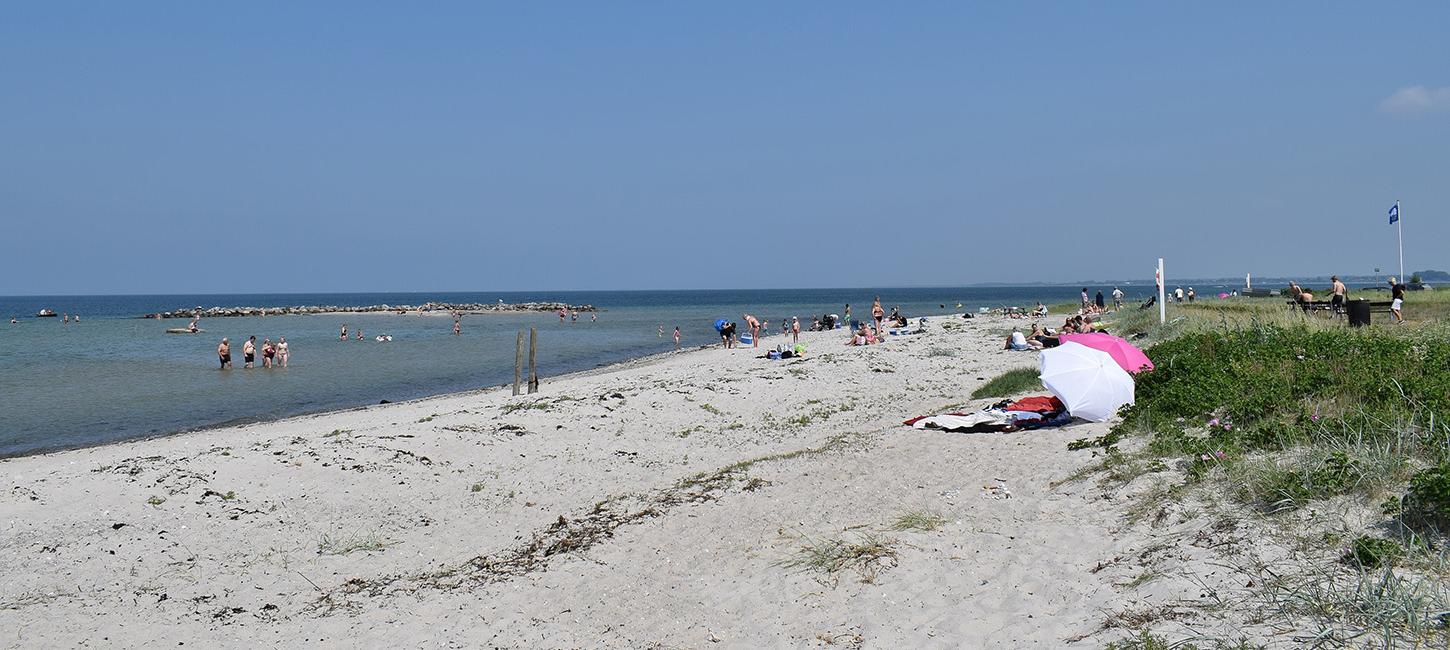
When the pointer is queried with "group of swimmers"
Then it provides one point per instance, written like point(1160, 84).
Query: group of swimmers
point(272, 355)
point(573, 315)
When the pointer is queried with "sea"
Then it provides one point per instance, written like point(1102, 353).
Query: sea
point(113, 376)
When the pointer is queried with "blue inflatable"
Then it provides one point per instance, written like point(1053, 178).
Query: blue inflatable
point(720, 324)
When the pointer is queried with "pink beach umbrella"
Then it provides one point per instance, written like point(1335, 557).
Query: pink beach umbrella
point(1126, 354)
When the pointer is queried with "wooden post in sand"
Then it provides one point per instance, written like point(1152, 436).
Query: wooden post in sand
point(533, 369)
point(518, 360)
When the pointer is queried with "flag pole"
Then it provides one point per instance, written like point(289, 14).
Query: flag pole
point(1400, 230)
point(1162, 303)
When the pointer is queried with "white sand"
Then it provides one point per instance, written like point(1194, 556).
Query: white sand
point(232, 556)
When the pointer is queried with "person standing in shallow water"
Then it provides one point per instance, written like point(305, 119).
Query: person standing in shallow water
point(677, 337)
point(249, 351)
point(282, 352)
point(224, 354)
point(343, 335)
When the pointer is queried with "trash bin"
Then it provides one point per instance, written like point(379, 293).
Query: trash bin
point(1358, 312)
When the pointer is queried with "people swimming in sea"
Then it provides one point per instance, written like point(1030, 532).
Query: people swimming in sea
point(13, 321)
point(249, 352)
point(457, 327)
point(359, 334)
point(224, 354)
point(343, 335)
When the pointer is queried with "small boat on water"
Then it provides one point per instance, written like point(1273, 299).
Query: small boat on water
point(45, 313)
point(182, 330)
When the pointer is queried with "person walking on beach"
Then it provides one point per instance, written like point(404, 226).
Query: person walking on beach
point(848, 315)
point(343, 335)
point(1117, 298)
point(1337, 292)
point(1192, 294)
point(752, 324)
point(267, 353)
point(224, 354)
point(877, 313)
point(795, 326)
point(677, 337)
point(1099, 300)
point(282, 352)
point(1084, 299)
point(1397, 301)
point(249, 352)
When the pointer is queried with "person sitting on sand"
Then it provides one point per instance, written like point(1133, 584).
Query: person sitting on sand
point(1041, 336)
point(224, 354)
point(1017, 341)
point(1040, 311)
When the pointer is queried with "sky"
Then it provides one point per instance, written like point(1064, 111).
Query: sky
point(182, 147)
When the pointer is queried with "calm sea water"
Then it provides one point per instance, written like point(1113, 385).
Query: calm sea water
point(113, 376)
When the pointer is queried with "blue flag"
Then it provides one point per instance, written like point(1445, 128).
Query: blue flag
point(1394, 214)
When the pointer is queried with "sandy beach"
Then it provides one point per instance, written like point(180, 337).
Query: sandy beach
point(662, 503)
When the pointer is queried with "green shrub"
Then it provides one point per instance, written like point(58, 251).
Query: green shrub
point(1272, 381)
point(1428, 498)
point(1374, 552)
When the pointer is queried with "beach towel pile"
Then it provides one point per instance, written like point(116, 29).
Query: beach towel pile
point(1003, 417)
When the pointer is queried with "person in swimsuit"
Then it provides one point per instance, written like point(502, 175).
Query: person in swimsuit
point(267, 352)
point(359, 334)
point(343, 335)
point(877, 313)
point(677, 337)
point(795, 329)
point(192, 326)
point(752, 324)
point(282, 352)
point(457, 327)
point(249, 352)
point(1397, 300)
point(1336, 301)
point(847, 320)
point(224, 354)
point(727, 335)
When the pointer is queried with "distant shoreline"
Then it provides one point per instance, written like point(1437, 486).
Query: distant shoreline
point(426, 308)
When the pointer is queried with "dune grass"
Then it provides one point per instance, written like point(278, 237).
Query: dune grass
point(1010, 383)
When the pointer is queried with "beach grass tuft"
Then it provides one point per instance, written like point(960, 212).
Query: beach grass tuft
point(922, 520)
point(866, 555)
point(344, 545)
point(1010, 383)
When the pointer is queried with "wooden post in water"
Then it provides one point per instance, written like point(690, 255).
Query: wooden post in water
point(533, 369)
point(518, 360)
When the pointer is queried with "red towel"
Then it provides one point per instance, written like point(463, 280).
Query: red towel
point(1042, 404)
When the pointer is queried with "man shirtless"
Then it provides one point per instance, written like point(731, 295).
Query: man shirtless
point(224, 354)
point(249, 352)
point(754, 326)
point(1337, 299)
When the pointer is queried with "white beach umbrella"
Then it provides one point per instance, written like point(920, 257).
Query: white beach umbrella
point(1089, 382)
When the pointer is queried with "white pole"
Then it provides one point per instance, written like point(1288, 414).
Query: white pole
point(1162, 301)
point(1400, 229)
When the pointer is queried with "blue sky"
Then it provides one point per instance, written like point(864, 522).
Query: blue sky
point(187, 147)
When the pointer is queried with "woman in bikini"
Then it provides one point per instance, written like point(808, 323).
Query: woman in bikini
point(877, 313)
